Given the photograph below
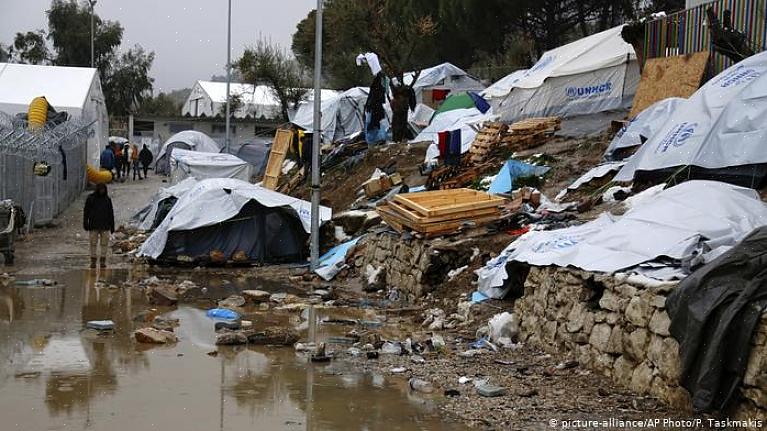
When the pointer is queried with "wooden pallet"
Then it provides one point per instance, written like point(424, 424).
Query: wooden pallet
point(537, 124)
point(280, 147)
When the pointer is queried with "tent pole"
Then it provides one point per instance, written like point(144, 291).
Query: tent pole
point(315, 228)
point(228, 72)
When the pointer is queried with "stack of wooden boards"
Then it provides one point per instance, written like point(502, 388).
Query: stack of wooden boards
point(280, 147)
point(440, 212)
point(520, 136)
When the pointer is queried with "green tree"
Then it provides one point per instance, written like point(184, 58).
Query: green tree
point(69, 29)
point(268, 63)
point(162, 105)
point(127, 80)
point(30, 47)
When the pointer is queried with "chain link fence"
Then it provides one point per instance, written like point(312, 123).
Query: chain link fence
point(62, 146)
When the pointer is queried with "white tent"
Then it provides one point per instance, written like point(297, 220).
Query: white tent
point(145, 218)
point(342, 114)
point(690, 223)
point(194, 164)
point(645, 125)
point(501, 88)
point(593, 74)
point(208, 99)
point(445, 76)
point(223, 199)
point(721, 127)
point(75, 90)
point(187, 140)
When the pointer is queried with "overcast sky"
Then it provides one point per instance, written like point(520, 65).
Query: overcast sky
point(187, 36)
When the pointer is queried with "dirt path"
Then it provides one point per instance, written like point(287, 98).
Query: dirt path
point(65, 246)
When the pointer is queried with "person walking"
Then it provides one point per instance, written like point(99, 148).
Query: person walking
point(126, 160)
point(134, 161)
point(107, 159)
point(145, 157)
point(99, 222)
point(118, 159)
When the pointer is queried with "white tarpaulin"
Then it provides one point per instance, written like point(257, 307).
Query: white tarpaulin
point(646, 124)
point(593, 173)
point(593, 74)
point(721, 125)
point(145, 217)
point(221, 199)
point(503, 86)
point(187, 140)
point(193, 164)
point(445, 76)
point(681, 223)
point(462, 119)
point(342, 114)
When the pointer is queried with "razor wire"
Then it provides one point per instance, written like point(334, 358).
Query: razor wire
point(44, 144)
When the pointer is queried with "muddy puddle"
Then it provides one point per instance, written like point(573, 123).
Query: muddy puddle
point(59, 376)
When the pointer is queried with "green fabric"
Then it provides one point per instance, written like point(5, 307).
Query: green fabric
point(456, 101)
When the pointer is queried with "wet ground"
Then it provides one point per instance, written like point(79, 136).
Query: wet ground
point(60, 376)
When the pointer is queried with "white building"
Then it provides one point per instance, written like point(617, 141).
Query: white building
point(75, 90)
point(208, 99)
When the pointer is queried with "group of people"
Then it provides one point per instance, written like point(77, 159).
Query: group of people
point(121, 158)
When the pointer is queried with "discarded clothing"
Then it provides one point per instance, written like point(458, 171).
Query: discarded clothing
point(714, 313)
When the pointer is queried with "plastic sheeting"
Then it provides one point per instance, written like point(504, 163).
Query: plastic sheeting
point(451, 120)
point(185, 164)
point(146, 217)
point(645, 125)
point(332, 262)
point(187, 140)
point(342, 114)
point(503, 86)
point(593, 173)
point(511, 170)
point(683, 223)
point(593, 74)
point(720, 126)
point(222, 199)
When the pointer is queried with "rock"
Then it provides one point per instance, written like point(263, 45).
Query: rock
point(232, 338)
point(391, 348)
point(641, 378)
point(256, 296)
point(638, 311)
point(437, 342)
point(164, 323)
point(527, 392)
point(240, 256)
point(234, 301)
point(660, 322)
point(611, 301)
point(419, 385)
point(275, 335)
point(615, 344)
point(154, 336)
point(623, 370)
point(231, 325)
point(161, 295)
point(491, 391)
point(600, 336)
point(417, 359)
point(636, 343)
point(576, 318)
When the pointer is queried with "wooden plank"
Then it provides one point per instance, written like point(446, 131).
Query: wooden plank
point(389, 214)
point(446, 208)
point(417, 218)
point(282, 139)
point(678, 76)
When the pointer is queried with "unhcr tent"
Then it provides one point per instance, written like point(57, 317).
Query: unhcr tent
point(240, 219)
point(186, 140)
point(342, 114)
point(645, 125)
point(719, 132)
point(75, 90)
point(435, 83)
point(149, 217)
point(501, 88)
point(200, 166)
point(594, 74)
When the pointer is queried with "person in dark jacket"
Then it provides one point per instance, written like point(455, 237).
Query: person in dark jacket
point(99, 221)
point(145, 156)
point(107, 159)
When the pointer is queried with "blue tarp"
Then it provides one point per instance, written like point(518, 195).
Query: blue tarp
point(328, 265)
point(479, 101)
point(511, 170)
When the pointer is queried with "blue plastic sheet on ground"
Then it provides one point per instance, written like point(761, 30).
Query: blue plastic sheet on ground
point(511, 170)
point(331, 262)
point(222, 314)
point(478, 297)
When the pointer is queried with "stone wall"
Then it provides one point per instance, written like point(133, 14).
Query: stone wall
point(413, 266)
point(621, 329)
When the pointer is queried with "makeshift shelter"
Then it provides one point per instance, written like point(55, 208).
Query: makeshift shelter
point(641, 128)
point(434, 84)
point(241, 219)
point(193, 164)
point(208, 99)
point(717, 133)
point(342, 114)
point(75, 90)
point(662, 237)
point(255, 152)
point(463, 100)
point(149, 217)
point(186, 140)
point(594, 74)
point(464, 119)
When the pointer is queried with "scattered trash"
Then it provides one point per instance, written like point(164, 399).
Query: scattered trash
point(463, 380)
point(222, 313)
point(470, 353)
point(567, 365)
point(100, 325)
point(417, 359)
point(390, 348)
point(477, 297)
point(456, 272)
point(398, 370)
point(503, 325)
